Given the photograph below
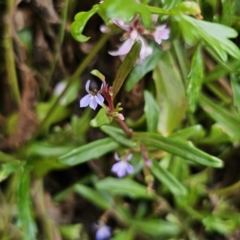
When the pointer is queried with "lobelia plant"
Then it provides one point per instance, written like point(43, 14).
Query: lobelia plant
point(157, 176)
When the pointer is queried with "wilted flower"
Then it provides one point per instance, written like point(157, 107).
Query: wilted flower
point(92, 98)
point(135, 31)
point(103, 232)
point(122, 167)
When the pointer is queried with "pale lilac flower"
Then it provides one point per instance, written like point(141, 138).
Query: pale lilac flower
point(92, 98)
point(103, 232)
point(135, 31)
point(122, 167)
point(161, 33)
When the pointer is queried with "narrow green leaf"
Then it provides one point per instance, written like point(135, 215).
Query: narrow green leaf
point(123, 187)
point(196, 78)
point(151, 110)
point(168, 179)
point(235, 83)
point(157, 228)
point(170, 3)
point(90, 151)
point(7, 168)
point(101, 119)
point(126, 67)
point(118, 135)
point(80, 20)
point(25, 208)
point(170, 94)
point(92, 195)
point(124, 235)
point(229, 122)
point(196, 131)
point(140, 70)
point(179, 148)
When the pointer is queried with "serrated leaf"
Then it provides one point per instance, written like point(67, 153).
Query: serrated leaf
point(126, 67)
point(80, 20)
point(123, 187)
point(179, 148)
point(90, 151)
point(168, 179)
point(25, 208)
point(101, 119)
point(118, 135)
point(151, 110)
point(140, 70)
point(196, 78)
point(92, 195)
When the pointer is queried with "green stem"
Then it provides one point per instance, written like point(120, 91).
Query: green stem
point(226, 190)
point(9, 54)
point(72, 79)
point(158, 10)
point(59, 44)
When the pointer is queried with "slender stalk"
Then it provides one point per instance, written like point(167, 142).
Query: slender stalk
point(59, 43)
point(125, 128)
point(9, 53)
point(72, 79)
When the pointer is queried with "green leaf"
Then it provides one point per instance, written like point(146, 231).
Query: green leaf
point(80, 20)
point(90, 151)
point(228, 12)
point(229, 122)
point(118, 135)
point(171, 95)
point(8, 168)
point(190, 8)
point(140, 70)
point(101, 119)
point(214, 35)
point(179, 148)
point(235, 83)
point(151, 110)
point(195, 132)
point(25, 208)
point(124, 235)
point(168, 179)
point(92, 195)
point(96, 73)
point(73, 231)
point(123, 187)
point(157, 228)
point(196, 78)
point(126, 67)
point(4, 157)
point(170, 3)
point(110, 9)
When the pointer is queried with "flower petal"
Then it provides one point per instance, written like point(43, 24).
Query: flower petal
point(87, 85)
point(123, 49)
point(161, 33)
point(84, 102)
point(120, 23)
point(129, 168)
point(116, 157)
point(119, 169)
point(100, 99)
point(129, 157)
point(103, 233)
point(93, 102)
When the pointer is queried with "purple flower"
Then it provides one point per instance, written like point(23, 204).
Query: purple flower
point(103, 232)
point(122, 167)
point(92, 98)
point(135, 31)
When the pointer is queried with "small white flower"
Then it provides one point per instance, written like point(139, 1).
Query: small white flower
point(103, 232)
point(92, 98)
point(122, 167)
